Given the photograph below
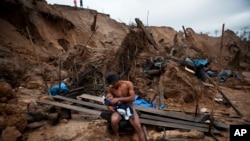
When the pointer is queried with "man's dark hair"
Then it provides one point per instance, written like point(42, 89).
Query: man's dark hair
point(112, 77)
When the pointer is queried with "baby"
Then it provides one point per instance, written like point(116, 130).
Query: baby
point(123, 109)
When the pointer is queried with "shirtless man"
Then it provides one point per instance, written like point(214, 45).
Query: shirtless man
point(124, 92)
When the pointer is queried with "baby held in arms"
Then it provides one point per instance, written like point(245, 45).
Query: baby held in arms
point(124, 110)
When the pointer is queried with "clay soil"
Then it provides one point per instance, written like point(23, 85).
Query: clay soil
point(38, 40)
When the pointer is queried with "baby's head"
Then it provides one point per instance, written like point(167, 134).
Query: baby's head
point(109, 96)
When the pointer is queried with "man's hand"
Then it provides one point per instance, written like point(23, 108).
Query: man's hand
point(111, 109)
point(114, 101)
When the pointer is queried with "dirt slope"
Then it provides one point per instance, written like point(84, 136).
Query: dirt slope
point(36, 40)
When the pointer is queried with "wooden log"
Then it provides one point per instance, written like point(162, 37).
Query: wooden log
point(88, 41)
point(224, 96)
point(36, 116)
point(148, 35)
point(93, 26)
point(71, 107)
point(161, 93)
point(184, 31)
point(153, 72)
point(145, 133)
point(36, 124)
point(175, 135)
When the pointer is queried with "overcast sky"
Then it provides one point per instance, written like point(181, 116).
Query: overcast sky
point(200, 15)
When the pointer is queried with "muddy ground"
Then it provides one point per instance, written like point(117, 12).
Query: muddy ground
point(41, 45)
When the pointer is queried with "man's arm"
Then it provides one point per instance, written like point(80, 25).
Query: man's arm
point(131, 94)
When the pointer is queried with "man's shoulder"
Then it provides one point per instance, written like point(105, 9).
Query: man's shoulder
point(127, 82)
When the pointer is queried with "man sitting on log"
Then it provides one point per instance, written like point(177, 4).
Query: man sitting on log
point(123, 91)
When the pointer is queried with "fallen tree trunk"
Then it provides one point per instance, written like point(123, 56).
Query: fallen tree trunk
point(148, 35)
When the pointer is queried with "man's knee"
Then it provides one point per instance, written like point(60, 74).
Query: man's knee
point(115, 118)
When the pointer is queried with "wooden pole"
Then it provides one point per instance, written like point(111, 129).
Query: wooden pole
point(224, 96)
point(145, 133)
point(184, 31)
point(161, 93)
point(60, 65)
point(148, 35)
point(218, 81)
point(93, 26)
point(88, 40)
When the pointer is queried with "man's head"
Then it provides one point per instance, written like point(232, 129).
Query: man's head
point(111, 78)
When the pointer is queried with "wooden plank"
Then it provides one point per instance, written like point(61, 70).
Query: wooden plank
point(204, 125)
point(174, 125)
point(143, 115)
point(152, 110)
point(103, 107)
point(144, 121)
point(71, 107)
point(88, 104)
point(158, 118)
point(170, 114)
point(91, 97)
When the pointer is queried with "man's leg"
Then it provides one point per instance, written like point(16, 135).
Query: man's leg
point(135, 122)
point(115, 119)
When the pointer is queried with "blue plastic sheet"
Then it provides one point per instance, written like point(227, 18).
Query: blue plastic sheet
point(197, 62)
point(142, 102)
point(224, 74)
point(55, 89)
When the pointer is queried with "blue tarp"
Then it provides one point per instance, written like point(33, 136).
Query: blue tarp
point(197, 62)
point(55, 89)
point(224, 74)
point(142, 102)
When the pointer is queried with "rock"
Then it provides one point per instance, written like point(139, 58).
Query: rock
point(34, 84)
point(31, 107)
point(246, 76)
point(191, 134)
point(2, 123)
point(11, 134)
point(36, 124)
point(17, 120)
point(6, 90)
point(154, 135)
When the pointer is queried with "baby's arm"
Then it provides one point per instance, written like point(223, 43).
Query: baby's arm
point(107, 102)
